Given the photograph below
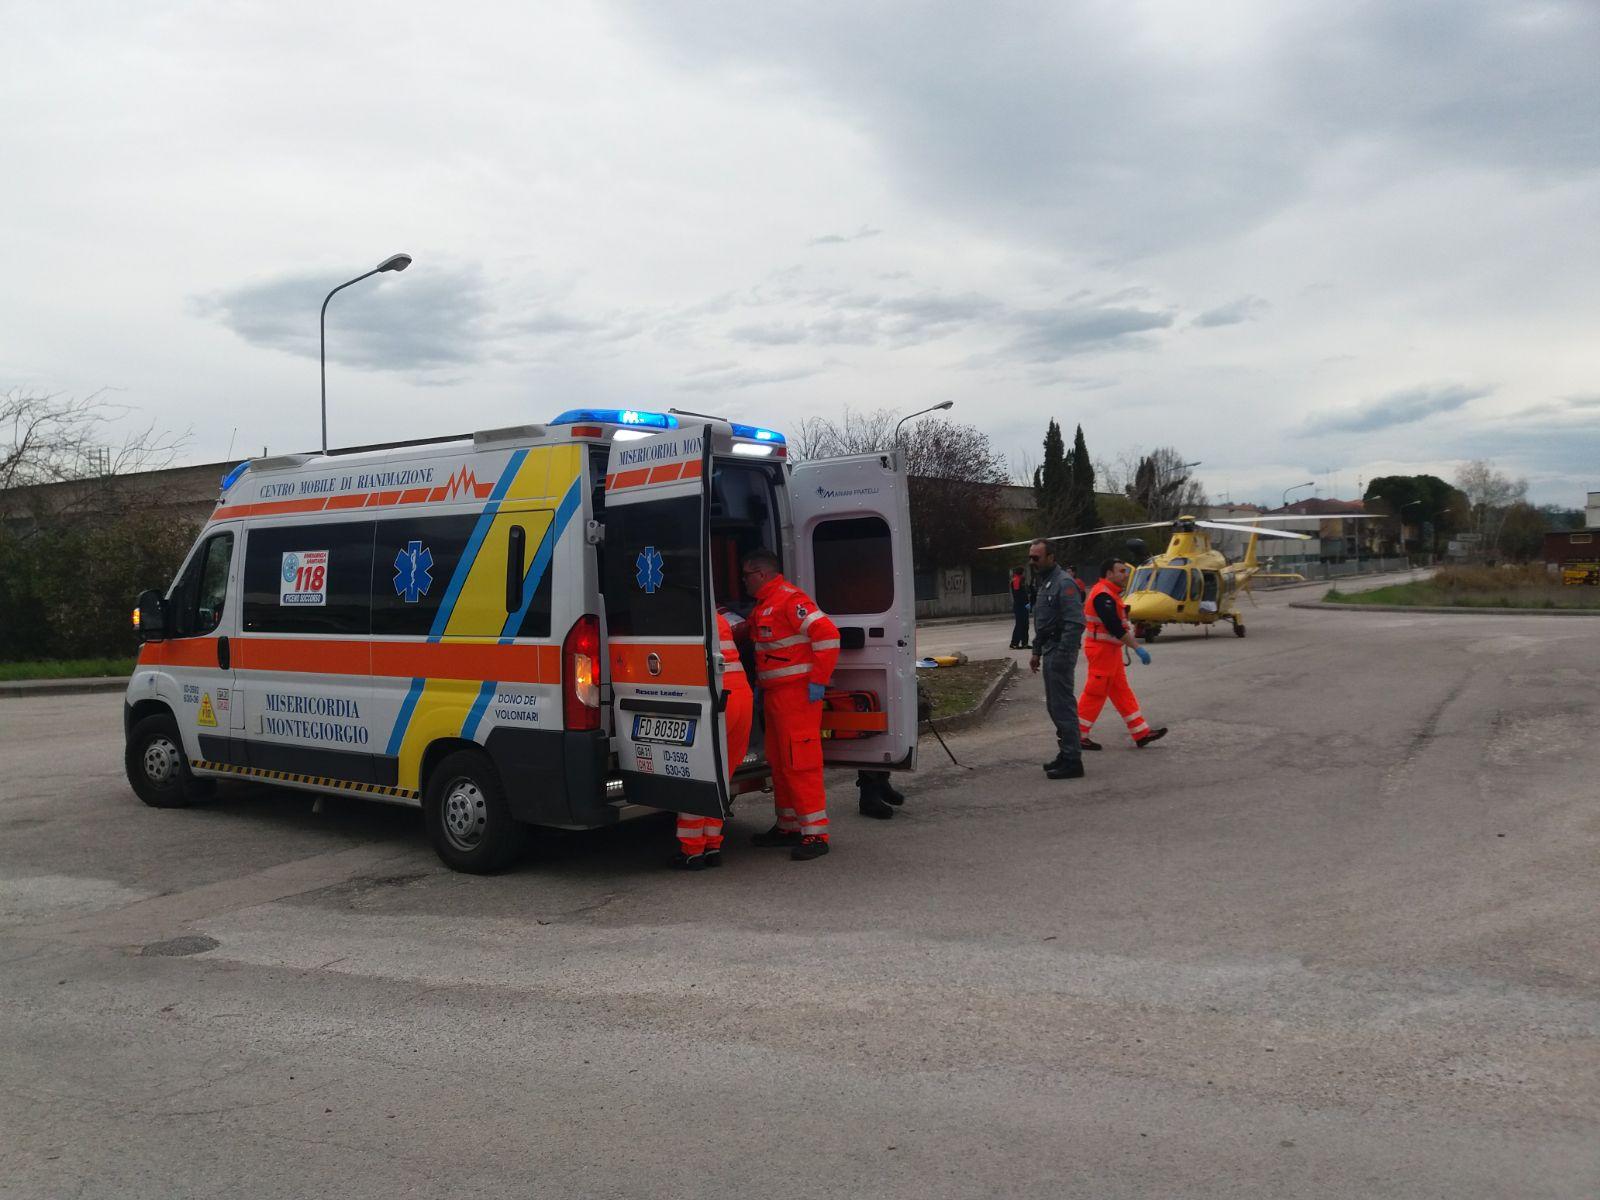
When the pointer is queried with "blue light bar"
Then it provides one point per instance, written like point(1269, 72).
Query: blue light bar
point(760, 435)
point(232, 477)
point(617, 416)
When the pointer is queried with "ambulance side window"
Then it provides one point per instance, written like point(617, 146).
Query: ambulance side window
point(854, 564)
point(198, 600)
point(413, 566)
point(283, 591)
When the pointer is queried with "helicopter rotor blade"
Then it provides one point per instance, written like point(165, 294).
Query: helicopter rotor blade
point(1278, 533)
point(1317, 517)
point(1057, 537)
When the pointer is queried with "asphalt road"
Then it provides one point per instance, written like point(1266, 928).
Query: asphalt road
point(1335, 936)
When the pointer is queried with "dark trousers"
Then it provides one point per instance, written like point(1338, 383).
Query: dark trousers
point(1019, 631)
point(1058, 665)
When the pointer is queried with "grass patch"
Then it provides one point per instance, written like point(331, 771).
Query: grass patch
point(66, 668)
point(956, 689)
point(1478, 587)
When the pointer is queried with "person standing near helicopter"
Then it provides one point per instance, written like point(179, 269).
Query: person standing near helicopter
point(1106, 631)
point(1057, 620)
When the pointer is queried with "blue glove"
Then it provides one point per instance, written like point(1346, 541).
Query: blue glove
point(1144, 655)
point(815, 691)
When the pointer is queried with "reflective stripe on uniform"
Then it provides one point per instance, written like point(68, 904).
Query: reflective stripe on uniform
point(785, 672)
point(798, 639)
point(810, 620)
point(815, 827)
point(825, 644)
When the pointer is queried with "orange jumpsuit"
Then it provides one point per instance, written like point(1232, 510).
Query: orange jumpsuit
point(796, 645)
point(697, 834)
point(1108, 675)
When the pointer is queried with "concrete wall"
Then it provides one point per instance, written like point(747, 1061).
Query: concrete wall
point(953, 595)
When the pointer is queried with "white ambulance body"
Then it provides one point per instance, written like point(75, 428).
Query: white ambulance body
point(515, 628)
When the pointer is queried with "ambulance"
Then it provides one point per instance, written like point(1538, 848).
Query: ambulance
point(516, 628)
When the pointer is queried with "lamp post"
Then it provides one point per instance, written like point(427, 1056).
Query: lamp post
point(1399, 514)
point(918, 413)
point(1296, 488)
point(395, 262)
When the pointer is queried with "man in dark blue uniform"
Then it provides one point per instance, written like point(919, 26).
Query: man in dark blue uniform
point(1057, 632)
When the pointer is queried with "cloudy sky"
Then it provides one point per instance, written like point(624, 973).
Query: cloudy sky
point(1295, 240)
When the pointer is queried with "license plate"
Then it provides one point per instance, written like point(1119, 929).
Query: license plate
point(678, 731)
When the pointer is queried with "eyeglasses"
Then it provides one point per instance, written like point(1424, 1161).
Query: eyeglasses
point(1035, 558)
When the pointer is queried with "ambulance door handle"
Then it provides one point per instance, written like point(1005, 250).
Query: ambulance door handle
point(515, 567)
point(223, 657)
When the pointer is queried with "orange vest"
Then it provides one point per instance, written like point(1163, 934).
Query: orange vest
point(1094, 629)
point(794, 639)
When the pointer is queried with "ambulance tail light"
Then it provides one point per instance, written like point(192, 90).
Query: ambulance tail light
point(580, 674)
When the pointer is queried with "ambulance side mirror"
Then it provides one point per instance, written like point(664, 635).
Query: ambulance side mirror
point(150, 617)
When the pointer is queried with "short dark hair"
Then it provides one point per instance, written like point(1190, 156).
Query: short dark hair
point(762, 559)
point(1109, 565)
point(1045, 542)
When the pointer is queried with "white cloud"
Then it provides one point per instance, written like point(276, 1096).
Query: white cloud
point(1215, 228)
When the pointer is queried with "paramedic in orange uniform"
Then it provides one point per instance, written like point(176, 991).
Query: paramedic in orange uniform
point(700, 838)
point(796, 649)
point(1106, 631)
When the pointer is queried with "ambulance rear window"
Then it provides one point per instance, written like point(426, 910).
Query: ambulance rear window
point(855, 566)
point(653, 568)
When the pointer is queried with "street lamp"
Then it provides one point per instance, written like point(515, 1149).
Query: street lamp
point(1399, 515)
point(1296, 488)
point(918, 413)
point(395, 262)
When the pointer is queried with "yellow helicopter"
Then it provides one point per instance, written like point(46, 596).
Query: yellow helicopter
point(1192, 583)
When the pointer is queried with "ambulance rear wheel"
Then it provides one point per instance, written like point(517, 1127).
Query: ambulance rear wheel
point(469, 821)
point(157, 767)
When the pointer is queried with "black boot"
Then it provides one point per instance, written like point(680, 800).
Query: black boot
point(809, 847)
point(887, 793)
point(1155, 735)
point(777, 837)
point(1065, 770)
point(872, 805)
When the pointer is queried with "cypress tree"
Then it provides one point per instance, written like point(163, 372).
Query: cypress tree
point(1052, 485)
point(1085, 513)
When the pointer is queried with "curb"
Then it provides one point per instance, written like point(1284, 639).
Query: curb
point(62, 687)
point(975, 714)
point(1459, 610)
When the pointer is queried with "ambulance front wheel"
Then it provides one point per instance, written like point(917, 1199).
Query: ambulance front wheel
point(157, 767)
point(469, 821)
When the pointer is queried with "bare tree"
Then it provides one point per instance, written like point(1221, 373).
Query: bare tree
point(48, 439)
point(77, 538)
point(1491, 495)
point(1160, 483)
point(956, 476)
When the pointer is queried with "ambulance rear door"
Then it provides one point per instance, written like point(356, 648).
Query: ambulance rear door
point(662, 649)
point(852, 543)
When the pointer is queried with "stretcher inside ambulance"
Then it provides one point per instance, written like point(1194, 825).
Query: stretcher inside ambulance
point(515, 628)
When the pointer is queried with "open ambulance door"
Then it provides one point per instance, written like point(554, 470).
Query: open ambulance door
point(852, 531)
point(665, 665)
